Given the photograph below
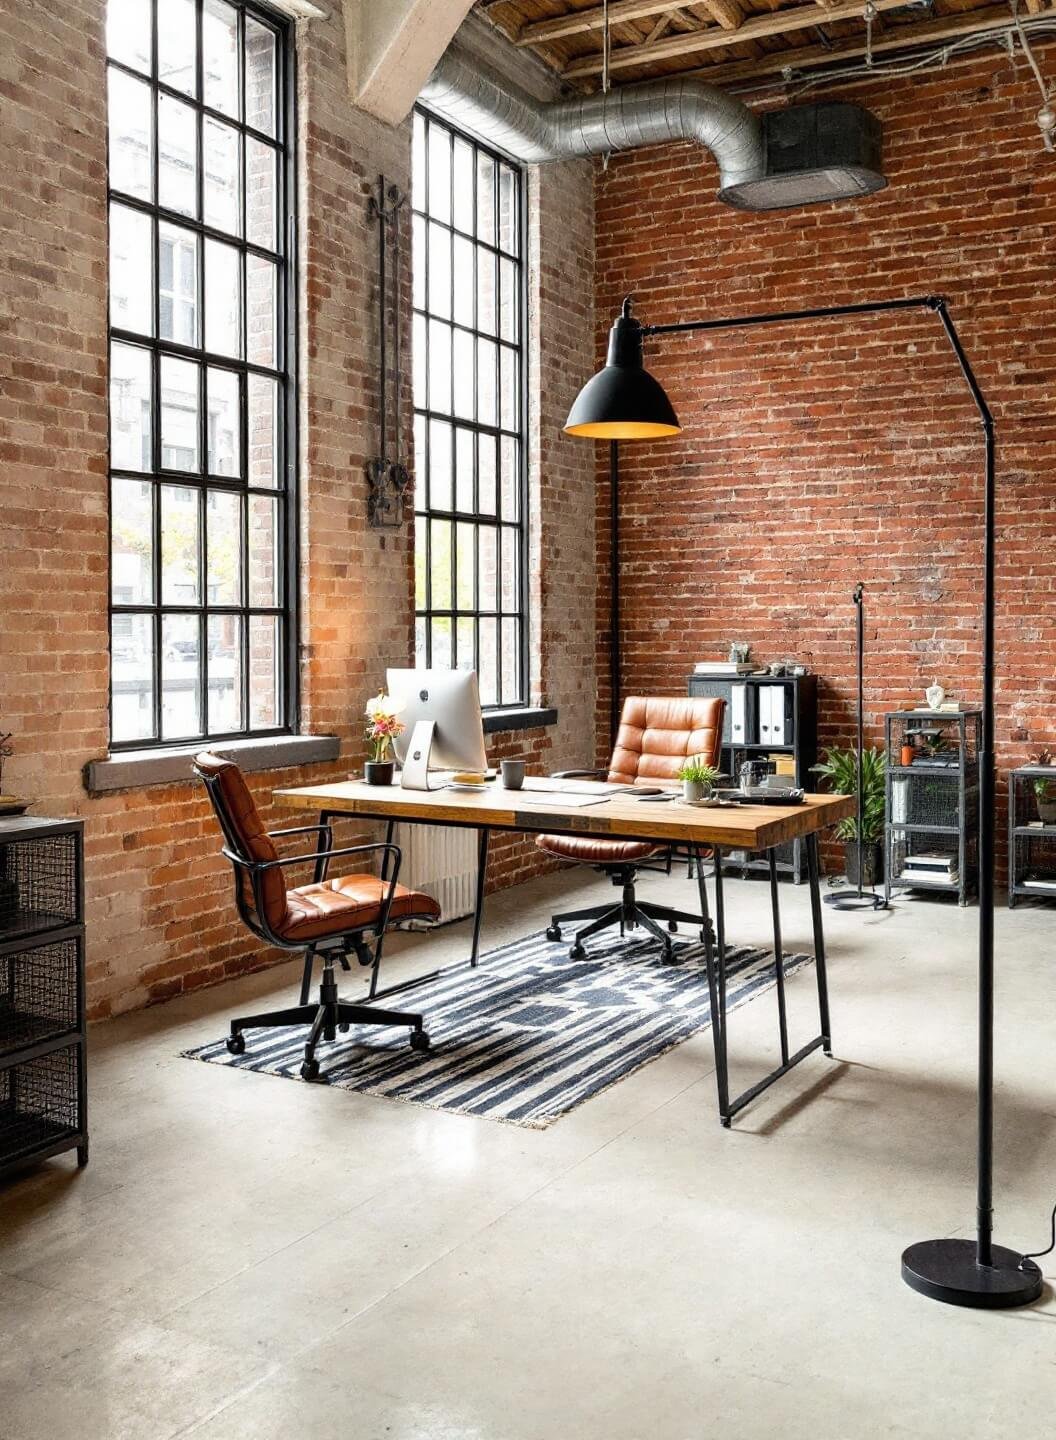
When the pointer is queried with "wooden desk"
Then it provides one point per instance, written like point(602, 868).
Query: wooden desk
point(748, 827)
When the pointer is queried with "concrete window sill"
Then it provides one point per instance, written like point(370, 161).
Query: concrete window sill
point(532, 717)
point(134, 769)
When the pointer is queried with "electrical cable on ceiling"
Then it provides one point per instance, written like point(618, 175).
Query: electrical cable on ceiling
point(606, 43)
point(1046, 115)
point(870, 15)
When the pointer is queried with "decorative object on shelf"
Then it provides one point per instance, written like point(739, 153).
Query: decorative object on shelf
point(383, 725)
point(862, 853)
point(935, 694)
point(387, 476)
point(1044, 789)
point(698, 779)
point(740, 651)
point(908, 753)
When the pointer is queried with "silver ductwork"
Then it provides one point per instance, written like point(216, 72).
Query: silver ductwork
point(649, 114)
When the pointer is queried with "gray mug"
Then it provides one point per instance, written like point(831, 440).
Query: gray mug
point(512, 774)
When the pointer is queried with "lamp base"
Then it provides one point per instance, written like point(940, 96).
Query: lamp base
point(947, 1270)
point(851, 900)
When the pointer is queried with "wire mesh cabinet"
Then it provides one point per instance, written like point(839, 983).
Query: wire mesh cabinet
point(1031, 840)
point(931, 831)
point(43, 1081)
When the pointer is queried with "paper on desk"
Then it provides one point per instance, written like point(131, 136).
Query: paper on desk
point(551, 801)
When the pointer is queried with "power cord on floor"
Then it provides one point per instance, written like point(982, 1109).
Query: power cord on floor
point(1037, 1254)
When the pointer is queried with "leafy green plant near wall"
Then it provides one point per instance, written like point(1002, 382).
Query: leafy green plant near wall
point(840, 769)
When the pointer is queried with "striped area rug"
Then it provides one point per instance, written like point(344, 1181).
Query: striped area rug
point(530, 1034)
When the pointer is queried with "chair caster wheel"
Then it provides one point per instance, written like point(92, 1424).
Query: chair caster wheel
point(310, 1070)
point(672, 925)
point(577, 952)
point(344, 1028)
point(236, 1044)
point(420, 1040)
point(553, 932)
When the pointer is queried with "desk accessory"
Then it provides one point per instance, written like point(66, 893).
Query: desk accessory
point(383, 725)
point(512, 774)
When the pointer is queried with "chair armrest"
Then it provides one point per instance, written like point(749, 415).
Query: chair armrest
point(313, 856)
point(579, 774)
point(299, 830)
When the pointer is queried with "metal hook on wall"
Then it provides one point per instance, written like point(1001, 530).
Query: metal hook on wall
point(387, 476)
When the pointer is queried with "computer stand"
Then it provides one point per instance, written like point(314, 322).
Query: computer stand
point(415, 772)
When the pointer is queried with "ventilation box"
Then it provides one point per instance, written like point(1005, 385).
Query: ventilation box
point(813, 153)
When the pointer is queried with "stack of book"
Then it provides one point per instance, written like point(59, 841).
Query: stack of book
point(933, 869)
point(725, 667)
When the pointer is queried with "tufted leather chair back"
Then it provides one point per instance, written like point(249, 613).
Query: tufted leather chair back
point(658, 734)
point(244, 831)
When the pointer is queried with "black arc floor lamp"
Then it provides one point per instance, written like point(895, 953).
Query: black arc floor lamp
point(858, 899)
point(624, 402)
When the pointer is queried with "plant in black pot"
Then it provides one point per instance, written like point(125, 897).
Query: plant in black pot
point(1044, 789)
point(383, 725)
point(840, 768)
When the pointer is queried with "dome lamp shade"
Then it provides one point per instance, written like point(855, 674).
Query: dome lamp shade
point(623, 401)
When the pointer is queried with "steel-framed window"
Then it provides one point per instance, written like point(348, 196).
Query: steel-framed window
point(471, 610)
point(202, 382)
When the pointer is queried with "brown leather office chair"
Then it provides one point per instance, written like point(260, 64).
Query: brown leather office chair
point(656, 737)
point(332, 916)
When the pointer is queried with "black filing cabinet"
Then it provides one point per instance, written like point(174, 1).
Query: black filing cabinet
point(767, 716)
point(43, 1089)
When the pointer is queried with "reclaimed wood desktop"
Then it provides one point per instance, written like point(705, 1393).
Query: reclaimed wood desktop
point(622, 817)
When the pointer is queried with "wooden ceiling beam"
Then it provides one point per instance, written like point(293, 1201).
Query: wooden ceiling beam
point(780, 22)
point(726, 13)
point(581, 22)
point(949, 27)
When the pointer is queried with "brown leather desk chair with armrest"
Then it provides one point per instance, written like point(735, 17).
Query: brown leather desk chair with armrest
point(333, 916)
point(656, 737)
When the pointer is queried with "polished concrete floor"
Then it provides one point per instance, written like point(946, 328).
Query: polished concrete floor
point(249, 1258)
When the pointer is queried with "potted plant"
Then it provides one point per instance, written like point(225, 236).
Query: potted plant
point(1044, 789)
point(840, 768)
point(383, 725)
point(697, 778)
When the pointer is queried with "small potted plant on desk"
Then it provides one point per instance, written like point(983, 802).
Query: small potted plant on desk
point(383, 725)
point(1044, 789)
point(840, 768)
point(698, 779)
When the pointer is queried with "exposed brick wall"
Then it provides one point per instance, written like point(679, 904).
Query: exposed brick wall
point(817, 455)
point(160, 911)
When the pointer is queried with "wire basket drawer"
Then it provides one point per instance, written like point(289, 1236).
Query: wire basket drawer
point(39, 993)
point(39, 1104)
point(38, 884)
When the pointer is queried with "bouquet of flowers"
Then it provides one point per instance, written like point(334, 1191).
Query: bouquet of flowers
point(383, 725)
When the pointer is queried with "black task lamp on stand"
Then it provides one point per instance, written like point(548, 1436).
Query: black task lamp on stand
point(858, 899)
point(624, 402)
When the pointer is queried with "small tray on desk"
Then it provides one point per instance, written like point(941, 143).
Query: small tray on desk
point(764, 795)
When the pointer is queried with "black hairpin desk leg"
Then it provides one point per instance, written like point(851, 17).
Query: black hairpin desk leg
point(478, 912)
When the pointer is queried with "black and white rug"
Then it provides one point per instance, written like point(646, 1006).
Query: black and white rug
point(530, 1034)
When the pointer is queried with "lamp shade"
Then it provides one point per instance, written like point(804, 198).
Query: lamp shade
point(623, 401)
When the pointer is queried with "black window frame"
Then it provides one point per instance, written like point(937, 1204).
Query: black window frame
point(284, 372)
point(424, 511)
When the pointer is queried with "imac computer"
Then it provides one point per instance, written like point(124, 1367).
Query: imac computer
point(440, 710)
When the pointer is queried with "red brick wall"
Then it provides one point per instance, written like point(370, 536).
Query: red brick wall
point(161, 917)
point(817, 455)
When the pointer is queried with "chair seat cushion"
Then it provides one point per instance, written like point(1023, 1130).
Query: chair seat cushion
point(598, 852)
point(331, 906)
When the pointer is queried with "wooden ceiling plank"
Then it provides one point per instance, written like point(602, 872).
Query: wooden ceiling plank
point(582, 22)
point(779, 22)
point(726, 13)
point(949, 27)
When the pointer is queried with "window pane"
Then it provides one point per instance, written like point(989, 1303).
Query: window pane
point(264, 558)
point(224, 634)
point(511, 651)
point(132, 677)
point(263, 431)
point(260, 76)
point(421, 597)
point(418, 163)
point(463, 374)
point(440, 367)
point(511, 479)
point(463, 185)
point(177, 44)
point(442, 657)
point(487, 361)
point(419, 361)
point(465, 632)
point(220, 55)
point(508, 317)
point(464, 450)
point(261, 193)
point(179, 414)
point(223, 170)
point(439, 173)
point(131, 290)
point(223, 423)
point(488, 563)
point(420, 463)
point(421, 658)
point(131, 542)
point(128, 33)
point(130, 428)
point(261, 310)
point(223, 525)
point(177, 156)
point(440, 563)
point(439, 272)
point(178, 305)
point(223, 303)
point(180, 546)
point(465, 558)
point(181, 694)
point(487, 292)
point(131, 150)
point(418, 262)
point(486, 474)
point(485, 199)
point(440, 492)
point(508, 237)
point(510, 569)
point(488, 662)
point(265, 672)
point(508, 381)
point(464, 280)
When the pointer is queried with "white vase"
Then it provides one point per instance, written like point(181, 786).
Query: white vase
point(693, 790)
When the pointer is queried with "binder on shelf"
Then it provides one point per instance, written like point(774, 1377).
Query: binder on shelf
point(765, 736)
point(739, 714)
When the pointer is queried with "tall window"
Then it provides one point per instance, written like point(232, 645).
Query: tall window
point(201, 450)
point(469, 372)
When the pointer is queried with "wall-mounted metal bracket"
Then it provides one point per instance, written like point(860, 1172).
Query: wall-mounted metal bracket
point(387, 476)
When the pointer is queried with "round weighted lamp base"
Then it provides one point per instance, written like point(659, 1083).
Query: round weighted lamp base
point(947, 1270)
point(851, 900)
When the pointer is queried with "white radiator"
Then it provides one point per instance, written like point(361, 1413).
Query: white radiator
point(442, 861)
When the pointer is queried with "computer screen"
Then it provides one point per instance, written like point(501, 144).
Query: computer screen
point(450, 699)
